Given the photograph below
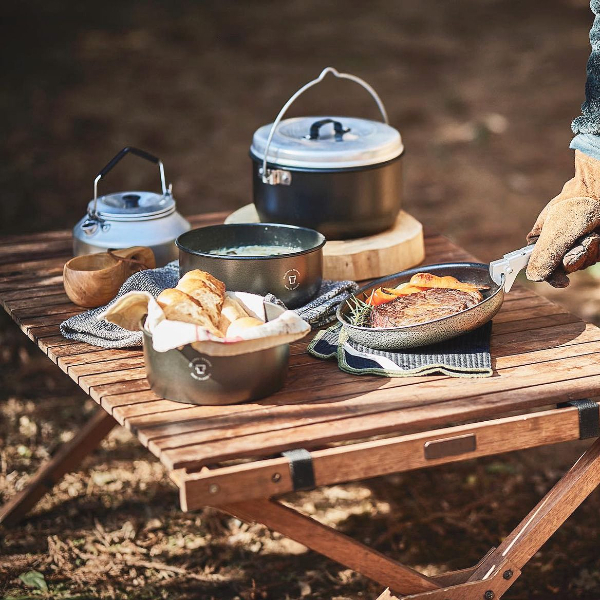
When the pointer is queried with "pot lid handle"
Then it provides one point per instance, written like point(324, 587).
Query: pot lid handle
point(266, 175)
point(115, 159)
point(339, 129)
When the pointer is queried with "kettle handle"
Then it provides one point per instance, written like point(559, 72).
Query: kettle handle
point(115, 159)
point(264, 172)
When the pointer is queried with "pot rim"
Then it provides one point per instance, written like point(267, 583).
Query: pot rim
point(367, 142)
point(314, 248)
point(274, 165)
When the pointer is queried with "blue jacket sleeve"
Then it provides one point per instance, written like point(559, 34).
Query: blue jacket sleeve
point(589, 120)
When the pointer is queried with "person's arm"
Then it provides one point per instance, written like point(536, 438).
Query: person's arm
point(589, 120)
point(564, 232)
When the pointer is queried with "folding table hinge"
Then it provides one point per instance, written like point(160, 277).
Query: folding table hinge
point(589, 417)
point(301, 469)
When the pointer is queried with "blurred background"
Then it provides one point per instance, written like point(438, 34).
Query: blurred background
point(483, 93)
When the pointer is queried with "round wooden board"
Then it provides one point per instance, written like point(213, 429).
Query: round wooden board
point(396, 249)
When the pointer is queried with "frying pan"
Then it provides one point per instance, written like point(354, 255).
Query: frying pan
point(499, 276)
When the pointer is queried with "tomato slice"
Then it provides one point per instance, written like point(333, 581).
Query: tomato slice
point(378, 297)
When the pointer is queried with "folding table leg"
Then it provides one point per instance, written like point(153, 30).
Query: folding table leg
point(490, 579)
point(333, 544)
point(68, 457)
point(551, 512)
point(501, 567)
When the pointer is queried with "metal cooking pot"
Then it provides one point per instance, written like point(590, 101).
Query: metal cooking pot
point(131, 218)
point(294, 278)
point(498, 276)
point(185, 375)
point(339, 175)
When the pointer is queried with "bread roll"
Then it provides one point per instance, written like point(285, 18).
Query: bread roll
point(179, 306)
point(239, 325)
point(205, 289)
point(232, 310)
point(170, 297)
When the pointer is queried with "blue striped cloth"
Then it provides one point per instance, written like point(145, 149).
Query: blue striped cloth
point(467, 355)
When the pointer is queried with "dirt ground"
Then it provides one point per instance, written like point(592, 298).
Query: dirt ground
point(483, 92)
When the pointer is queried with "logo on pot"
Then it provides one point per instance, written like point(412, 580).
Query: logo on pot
point(200, 368)
point(291, 279)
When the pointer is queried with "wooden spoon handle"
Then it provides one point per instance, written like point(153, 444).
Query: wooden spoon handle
point(140, 254)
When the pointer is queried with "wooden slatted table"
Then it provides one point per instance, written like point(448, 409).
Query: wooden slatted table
point(229, 457)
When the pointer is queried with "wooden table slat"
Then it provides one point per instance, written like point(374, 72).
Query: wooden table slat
point(119, 387)
point(8, 241)
point(52, 319)
point(136, 398)
point(8, 297)
point(104, 359)
point(86, 382)
point(56, 349)
point(29, 269)
point(34, 252)
point(44, 300)
point(39, 333)
point(44, 309)
point(37, 281)
point(104, 367)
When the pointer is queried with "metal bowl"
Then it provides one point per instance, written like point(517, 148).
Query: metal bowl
point(294, 278)
point(185, 375)
point(430, 332)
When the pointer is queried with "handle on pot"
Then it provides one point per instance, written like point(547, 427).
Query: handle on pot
point(115, 159)
point(266, 175)
point(339, 129)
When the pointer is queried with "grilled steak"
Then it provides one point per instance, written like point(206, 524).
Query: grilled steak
point(424, 306)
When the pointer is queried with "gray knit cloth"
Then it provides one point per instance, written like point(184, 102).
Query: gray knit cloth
point(321, 310)
point(86, 327)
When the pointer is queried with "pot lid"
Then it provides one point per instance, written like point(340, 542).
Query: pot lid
point(328, 143)
point(133, 205)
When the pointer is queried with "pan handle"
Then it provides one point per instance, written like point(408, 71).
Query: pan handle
point(505, 271)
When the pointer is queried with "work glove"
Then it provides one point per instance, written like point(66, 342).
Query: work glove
point(564, 233)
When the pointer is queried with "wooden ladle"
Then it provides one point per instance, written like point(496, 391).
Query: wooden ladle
point(94, 279)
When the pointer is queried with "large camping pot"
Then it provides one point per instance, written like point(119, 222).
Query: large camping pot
point(339, 175)
point(132, 218)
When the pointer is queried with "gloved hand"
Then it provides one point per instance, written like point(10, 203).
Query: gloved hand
point(564, 233)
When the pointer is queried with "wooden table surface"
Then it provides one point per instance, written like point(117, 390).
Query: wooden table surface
point(541, 355)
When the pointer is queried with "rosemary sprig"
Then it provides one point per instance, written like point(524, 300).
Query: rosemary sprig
point(359, 312)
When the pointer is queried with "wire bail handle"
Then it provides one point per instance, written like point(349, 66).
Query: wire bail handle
point(264, 172)
point(113, 161)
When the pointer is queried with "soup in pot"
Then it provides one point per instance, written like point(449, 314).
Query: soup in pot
point(255, 250)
